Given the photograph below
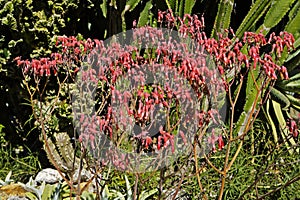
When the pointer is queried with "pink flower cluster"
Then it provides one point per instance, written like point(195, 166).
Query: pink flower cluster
point(72, 51)
point(41, 67)
point(228, 53)
point(292, 126)
point(114, 61)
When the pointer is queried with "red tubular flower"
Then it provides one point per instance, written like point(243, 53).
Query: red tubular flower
point(221, 69)
point(292, 127)
point(183, 137)
point(147, 141)
point(159, 142)
point(220, 142)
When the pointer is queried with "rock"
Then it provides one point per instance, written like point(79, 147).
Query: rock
point(84, 175)
point(48, 175)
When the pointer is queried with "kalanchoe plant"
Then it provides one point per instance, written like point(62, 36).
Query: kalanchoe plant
point(215, 70)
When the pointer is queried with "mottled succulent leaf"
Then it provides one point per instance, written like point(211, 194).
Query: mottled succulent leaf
point(294, 23)
point(188, 6)
point(255, 13)
point(276, 12)
point(223, 17)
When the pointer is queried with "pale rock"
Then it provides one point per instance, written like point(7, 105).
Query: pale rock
point(48, 175)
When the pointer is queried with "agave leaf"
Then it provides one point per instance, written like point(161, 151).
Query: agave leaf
point(295, 102)
point(181, 7)
point(289, 89)
point(293, 60)
point(271, 122)
point(146, 194)
point(51, 192)
point(128, 188)
point(7, 178)
point(222, 20)
point(105, 193)
point(32, 187)
point(293, 78)
point(255, 13)
point(277, 11)
point(290, 84)
point(294, 84)
point(280, 98)
point(282, 125)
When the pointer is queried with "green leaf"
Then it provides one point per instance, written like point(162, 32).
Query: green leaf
point(103, 7)
point(50, 191)
point(128, 188)
point(172, 4)
point(188, 6)
point(87, 196)
point(13, 43)
point(294, 85)
point(293, 78)
point(295, 102)
point(280, 98)
point(131, 4)
point(10, 21)
point(277, 11)
point(294, 23)
point(255, 13)
point(222, 20)
point(271, 122)
point(181, 7)
point(251, 103)
point(8, 7)
point(294, 11)
point(143, 20)
point(146, 194)
point(293, 60)
point(282, 124)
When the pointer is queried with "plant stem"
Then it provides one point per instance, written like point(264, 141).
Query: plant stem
point(135, 186)
point(197, 170)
